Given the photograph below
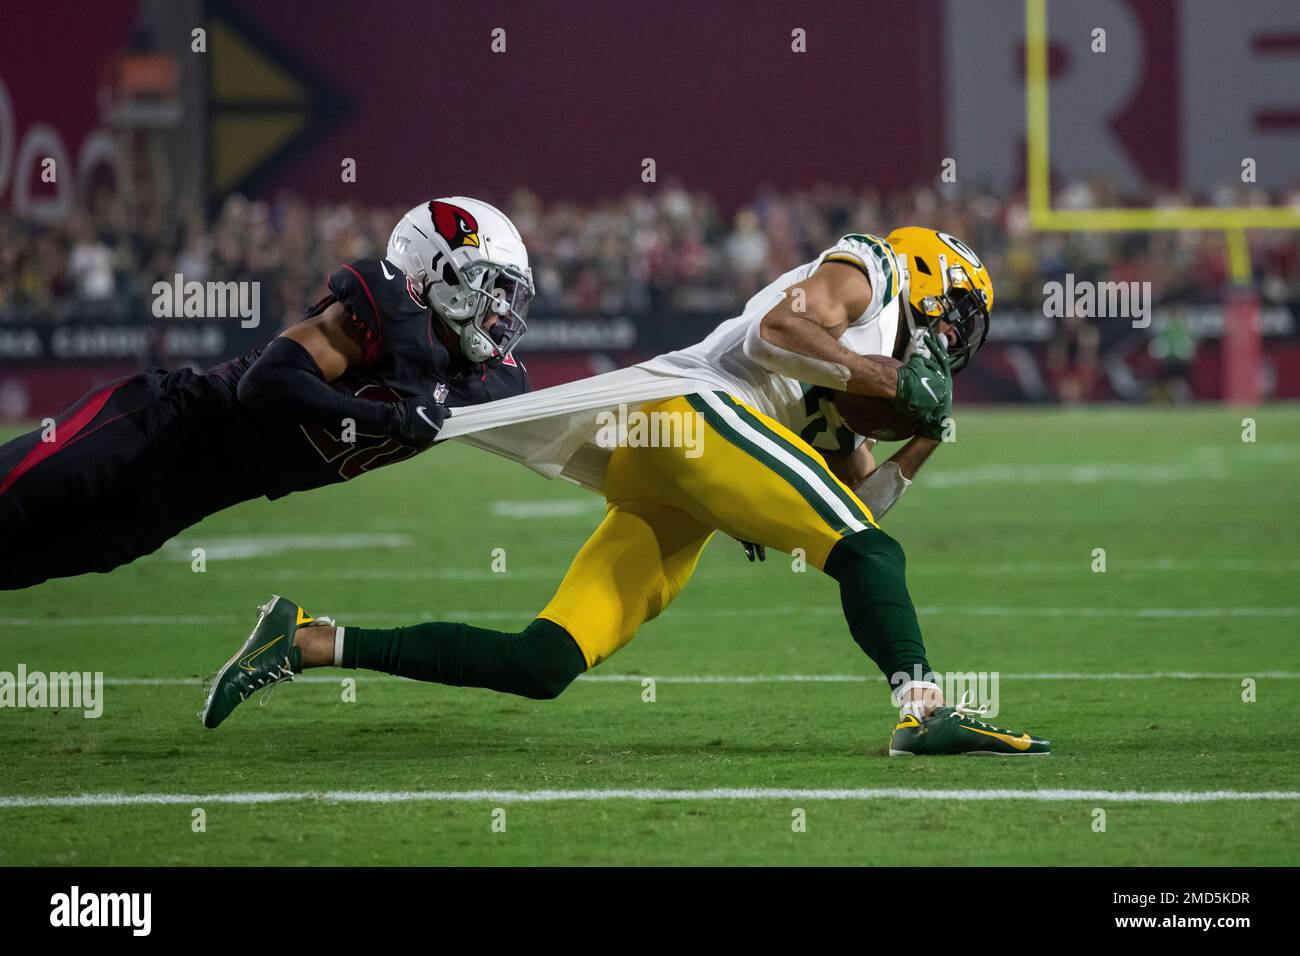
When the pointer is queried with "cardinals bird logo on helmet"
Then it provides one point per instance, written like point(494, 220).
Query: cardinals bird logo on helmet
point(454, 224)
point(470, 264)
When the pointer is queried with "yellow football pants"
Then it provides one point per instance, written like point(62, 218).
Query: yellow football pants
point(750, 477)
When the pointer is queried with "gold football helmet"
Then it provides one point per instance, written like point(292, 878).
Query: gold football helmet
point(948, 283)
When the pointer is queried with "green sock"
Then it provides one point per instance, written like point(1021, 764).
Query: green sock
point(870, 568)
point(538, 662)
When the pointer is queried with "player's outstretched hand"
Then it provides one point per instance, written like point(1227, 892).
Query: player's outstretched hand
point(925, 381)
point(417, 420)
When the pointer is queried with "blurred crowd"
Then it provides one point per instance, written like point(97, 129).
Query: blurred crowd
point(666, 249)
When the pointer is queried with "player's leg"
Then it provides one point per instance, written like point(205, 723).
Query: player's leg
point(757, 481)
point(627, 573)
point(629, 570)
point(125, 469)
point(72, 495)
point(537, 662)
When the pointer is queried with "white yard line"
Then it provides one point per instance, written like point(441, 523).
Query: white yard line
point(1202, 464)
point(742, 569)
point(754, 678)
point(1134, 612)
point(570, 796)
point(548, 508)
point(859, 678)
point(366, 618)
point(230, 547)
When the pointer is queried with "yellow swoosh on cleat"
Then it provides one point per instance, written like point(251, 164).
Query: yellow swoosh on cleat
point(304, 617)
point(908, 721)
point(1020, 743)
point(246, 662)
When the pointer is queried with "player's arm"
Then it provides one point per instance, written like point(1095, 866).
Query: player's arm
point(913, 455)
point(289, 383)
point(330, 340)
point(882, 488)
point(851, 467)
point(799, 337)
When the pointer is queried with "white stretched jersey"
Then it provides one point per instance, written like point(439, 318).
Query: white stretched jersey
point(806, 410)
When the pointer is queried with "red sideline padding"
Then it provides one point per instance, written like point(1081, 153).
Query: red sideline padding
point(1241, 348)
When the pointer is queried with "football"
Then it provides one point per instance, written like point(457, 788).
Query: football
point(875, 417)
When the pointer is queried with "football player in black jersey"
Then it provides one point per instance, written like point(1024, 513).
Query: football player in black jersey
point(362, 381)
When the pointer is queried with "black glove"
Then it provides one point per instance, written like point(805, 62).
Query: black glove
point(755, 552)
point(416, 421)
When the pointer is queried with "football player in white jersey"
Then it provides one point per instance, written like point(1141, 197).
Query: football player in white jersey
point(744, 355)
point(834, 324)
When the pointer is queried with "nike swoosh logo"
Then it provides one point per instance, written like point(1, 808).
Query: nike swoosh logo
point(1020, 743)
point(385, 268)
point(925, 383)
point(246, 662)
point(419, 410)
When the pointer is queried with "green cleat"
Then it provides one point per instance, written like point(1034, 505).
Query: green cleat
point(267, 658)
point(950, 730)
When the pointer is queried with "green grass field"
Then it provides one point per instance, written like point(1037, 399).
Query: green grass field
point(1201, 533)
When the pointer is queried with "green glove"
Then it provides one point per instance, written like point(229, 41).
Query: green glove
point(934, 426)
point(925, 383)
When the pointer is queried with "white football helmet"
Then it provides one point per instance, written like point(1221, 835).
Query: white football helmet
point(469, 262)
